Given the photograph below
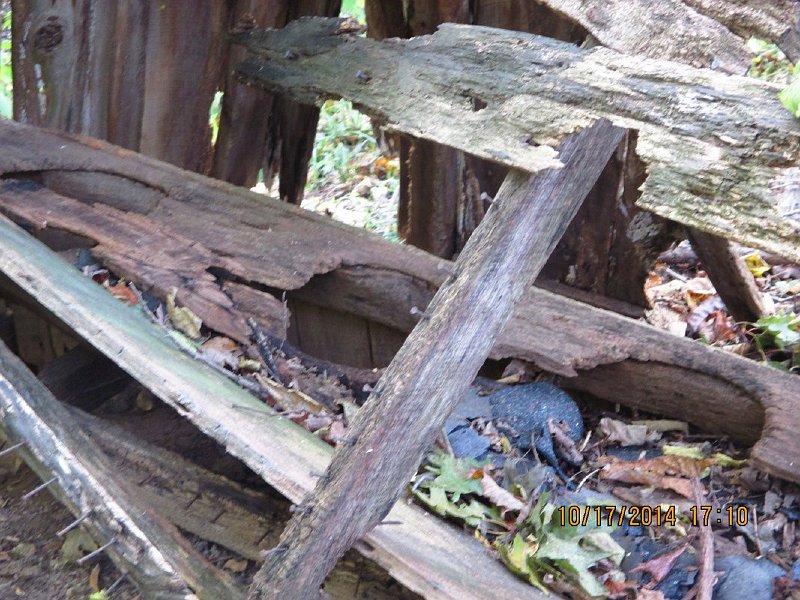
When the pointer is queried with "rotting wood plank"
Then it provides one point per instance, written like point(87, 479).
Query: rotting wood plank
point(277, 246)
point(432, 371)
point(732, 280)
point(427, 555)
point(720, 150)
point(192, 498)
point(142, 545)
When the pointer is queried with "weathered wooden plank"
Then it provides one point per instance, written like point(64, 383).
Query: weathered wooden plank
point(776, 21)
point(142, 545)
point(720, 150)
point(432, 371)
point(731, 278)
point(426, 555)
point(276, 246)
point(219, 510)
point(668, 29)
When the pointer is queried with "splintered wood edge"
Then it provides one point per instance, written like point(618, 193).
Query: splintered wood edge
point(720, 150)
point(81, 490)
point(423, 553)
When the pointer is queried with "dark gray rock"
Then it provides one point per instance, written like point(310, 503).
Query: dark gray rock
point(465, 441)
point(527, 409)
point(745, 578)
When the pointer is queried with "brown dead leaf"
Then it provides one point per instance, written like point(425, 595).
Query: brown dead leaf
point(94, 578)
point(123, 292)
point(697, 290)
point(235, 565)
point(645, 594)
point(626, 434)
point(499, 496)
point(660, 566)
point(668, 472)
point(222, 344)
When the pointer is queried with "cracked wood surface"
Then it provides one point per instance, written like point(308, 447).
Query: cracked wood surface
point(217, 509)
point(721, 151)
point(432, 371)
point(427, 555)
point(344, 269)
point(162, 564)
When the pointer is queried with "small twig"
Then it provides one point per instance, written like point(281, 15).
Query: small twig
point(587, 478)
point(675, 275)
point(445, 442)
point(705, 579)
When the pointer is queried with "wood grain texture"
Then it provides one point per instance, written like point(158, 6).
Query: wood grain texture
point(152, 552)
point(732, 280)
point(720, 151)
point(433, 369)
point(427, 555)
point(331, 265)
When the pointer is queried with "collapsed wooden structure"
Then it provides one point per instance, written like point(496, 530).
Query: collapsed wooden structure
point(231, 254)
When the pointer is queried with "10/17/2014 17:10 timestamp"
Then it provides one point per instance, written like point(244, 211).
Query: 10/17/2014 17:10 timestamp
point(577, 515)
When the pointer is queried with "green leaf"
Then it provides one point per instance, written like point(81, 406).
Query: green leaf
point(574, 557)
point(782, 328)
point(101, 595)
point(455, 475)
point(790, 97)
point(518, 557)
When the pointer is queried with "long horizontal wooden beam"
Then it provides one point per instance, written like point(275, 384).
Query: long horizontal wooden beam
point(721, 151)
point(261, 243)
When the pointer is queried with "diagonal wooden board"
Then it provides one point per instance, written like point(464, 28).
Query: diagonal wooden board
point(721, 151)
point(424, 553)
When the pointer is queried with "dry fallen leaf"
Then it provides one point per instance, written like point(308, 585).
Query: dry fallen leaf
point(499, 496)
point(123, 292)
point(94, 578)
point(182, 318)
point(235, 565)
point(666, 472)
point(660, 566)
point(626, 434)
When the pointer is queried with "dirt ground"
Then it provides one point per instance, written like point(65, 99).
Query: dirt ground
point(31, 564)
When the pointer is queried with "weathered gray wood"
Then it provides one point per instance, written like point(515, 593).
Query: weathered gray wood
point(776, 20)
point(217, 509)
point(276, 246)
point(426, 555)
point(144, 546)
point(668, 29)
point(731, 278)
point(433, 369)
point(720, 150)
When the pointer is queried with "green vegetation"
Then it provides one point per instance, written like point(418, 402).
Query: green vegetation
point(770, 64)
point(5, 67)
point(213, 116)
point(778, 340)
point(355, 9)
point(348, 177)
point(343, 135)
